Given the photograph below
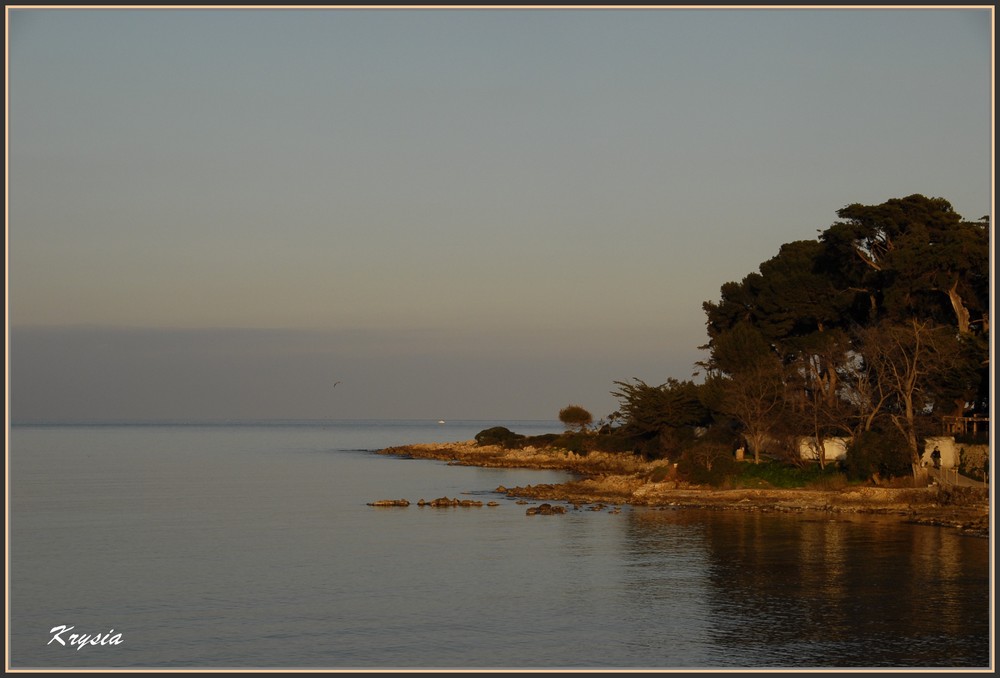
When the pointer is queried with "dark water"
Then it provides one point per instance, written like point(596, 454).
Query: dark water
point(253, 546)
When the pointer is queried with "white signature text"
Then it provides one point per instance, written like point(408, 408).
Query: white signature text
point(81, 639)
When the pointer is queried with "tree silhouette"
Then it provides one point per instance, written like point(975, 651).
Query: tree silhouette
point(574, 416)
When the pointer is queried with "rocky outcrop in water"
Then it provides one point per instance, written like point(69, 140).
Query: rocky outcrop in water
point(545, 510)
point(446, 502)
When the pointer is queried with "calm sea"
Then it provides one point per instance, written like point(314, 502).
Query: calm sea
point(253, 546)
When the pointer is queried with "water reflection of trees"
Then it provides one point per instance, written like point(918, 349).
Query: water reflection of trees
point(816, 591)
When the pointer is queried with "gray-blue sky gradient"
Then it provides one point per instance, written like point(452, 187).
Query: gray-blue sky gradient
point(216, 214)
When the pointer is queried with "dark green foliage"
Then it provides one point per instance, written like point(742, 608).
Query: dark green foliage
point(615, 441)
point(674, 404)
point(876, 329)
point(654, 448)
point(737, 306)
point(661, 419)
point(796, 299)
point(583, 443)
point(882, 321)
point(781, 475)
point(771, 474)
point(881, 453)
point(962, 389)
point(782, 311)
point(740, 348)
point(790, 299)
point(709, 464)
point(911, 257)
point(543, 440)
point(499, 435)
point(573, 441)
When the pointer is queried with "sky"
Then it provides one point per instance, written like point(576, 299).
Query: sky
point(487, 213)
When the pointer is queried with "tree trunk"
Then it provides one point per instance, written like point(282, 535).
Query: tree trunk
point(821, 450)
point(961, 312)
point(906, 425)
point(959, 410)
point(756, 441)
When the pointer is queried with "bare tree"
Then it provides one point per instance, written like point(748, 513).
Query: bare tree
point(864, 393)
point(754, 397)
point(900, 364)
point(814, 391)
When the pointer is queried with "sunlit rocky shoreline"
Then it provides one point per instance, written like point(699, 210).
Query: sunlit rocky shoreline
point(625, 479)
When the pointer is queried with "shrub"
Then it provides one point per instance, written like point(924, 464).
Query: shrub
point(661, 473)
point(574, 442)
point(615, 441)
point(542, 440)
point(650, 449)
point(708, 464)
point(882, 453)
point(972, 465)
point(499, 435)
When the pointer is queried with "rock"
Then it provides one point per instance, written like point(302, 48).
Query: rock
point(390, 502)
point(445, 502)
point(544, 510)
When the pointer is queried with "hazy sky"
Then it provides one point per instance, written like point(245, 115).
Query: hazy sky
point(480, 213)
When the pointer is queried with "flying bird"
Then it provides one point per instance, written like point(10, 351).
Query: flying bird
point(335, 384)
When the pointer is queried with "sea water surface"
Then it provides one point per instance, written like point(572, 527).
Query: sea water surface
point(252, 545)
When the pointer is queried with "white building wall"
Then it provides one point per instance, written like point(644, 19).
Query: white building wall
point(835, 449)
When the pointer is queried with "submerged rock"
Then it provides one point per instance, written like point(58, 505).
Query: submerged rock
point(544, 510)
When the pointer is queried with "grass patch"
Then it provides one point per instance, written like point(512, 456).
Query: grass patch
point(782, 476)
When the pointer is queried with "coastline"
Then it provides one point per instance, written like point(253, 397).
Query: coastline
point(624, 479)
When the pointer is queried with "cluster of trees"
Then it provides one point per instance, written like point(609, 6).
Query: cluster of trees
point(875, 331)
